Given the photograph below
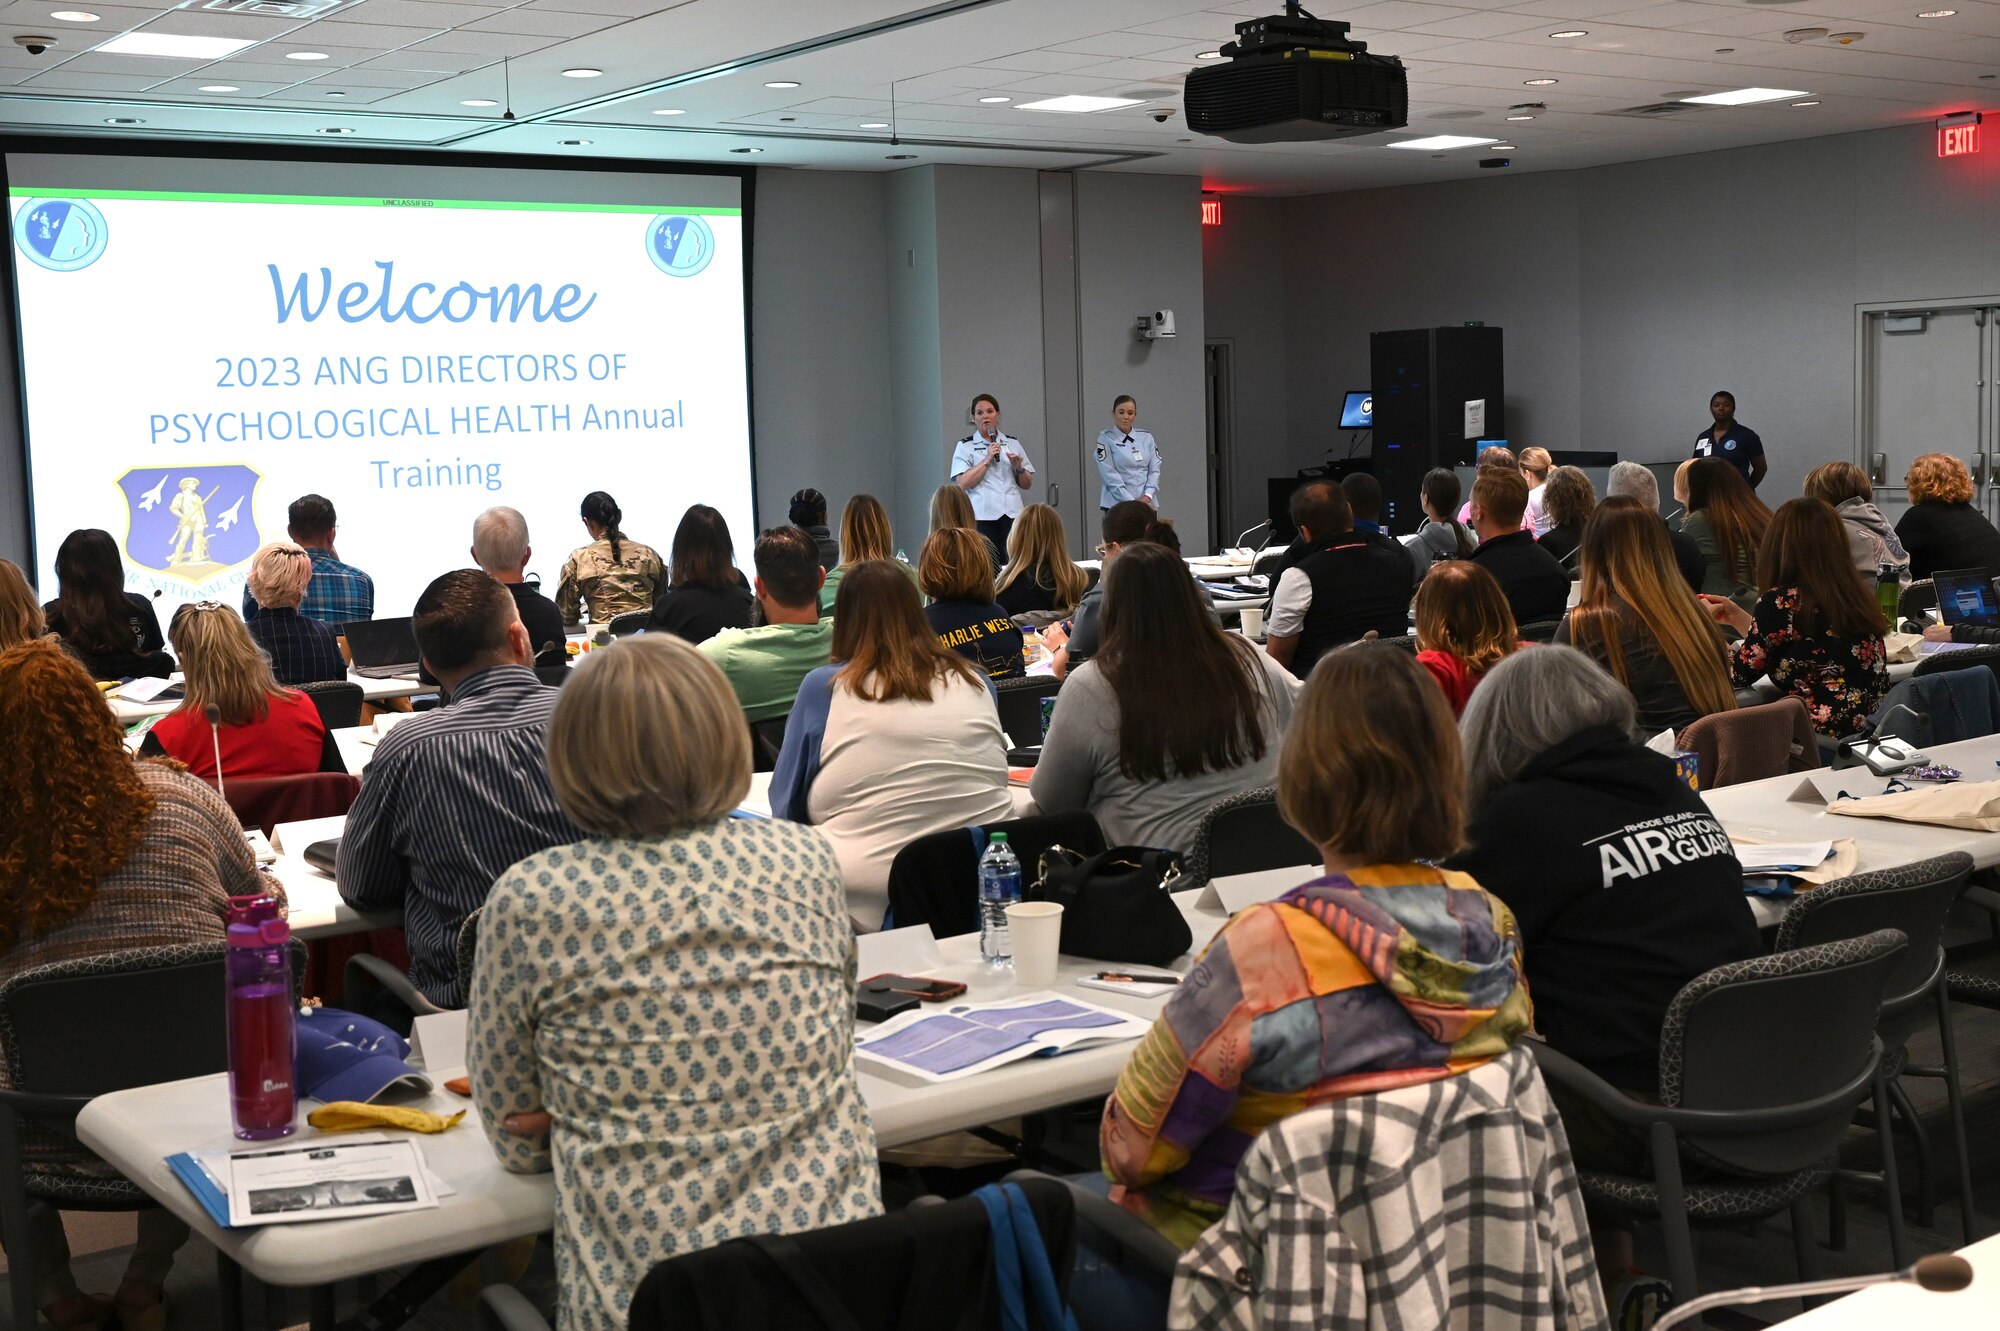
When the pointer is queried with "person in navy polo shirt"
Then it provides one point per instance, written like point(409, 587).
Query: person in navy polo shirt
point(1738, 445)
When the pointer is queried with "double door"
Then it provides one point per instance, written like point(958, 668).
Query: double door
point(1925, 384)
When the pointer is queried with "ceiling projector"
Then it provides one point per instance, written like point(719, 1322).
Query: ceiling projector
point(1295, 78)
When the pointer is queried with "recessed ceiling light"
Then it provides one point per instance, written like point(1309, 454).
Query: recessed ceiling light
point(1812, 102)
point(746, 150)
point(220, 87)
point(175, 45)
point(573, 143)
point(1570, 32)
point(1924, 13)
point(336, 94)
point(1745, 96)
point(479, 101)
point(1539, 83)
point(874, 124)
point(1521, 117)
point(900, 157)
point(74, 15)
point(1437, 142)
point(581, 73)
point(994, 101)
point(1208, 55)
point(123, 120)
point(336, 129)
point(1505, 148)
point(670, 111)
point(1078, 105)
point(781, 83)
point(305, 55)
point(1725, 50)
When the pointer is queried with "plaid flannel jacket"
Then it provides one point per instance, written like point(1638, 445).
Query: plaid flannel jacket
point(1448, 1204)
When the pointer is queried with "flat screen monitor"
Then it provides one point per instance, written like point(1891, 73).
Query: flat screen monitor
point(1358, 412)
point(1485, 444)
point(1966, 596)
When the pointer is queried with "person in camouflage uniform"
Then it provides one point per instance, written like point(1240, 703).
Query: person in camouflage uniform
point(611, 576)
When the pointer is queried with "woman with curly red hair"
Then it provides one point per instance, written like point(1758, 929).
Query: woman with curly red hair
point(1941, 528)
point(99, 853)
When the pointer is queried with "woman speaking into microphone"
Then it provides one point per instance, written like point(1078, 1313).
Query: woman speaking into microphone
point(993, 469)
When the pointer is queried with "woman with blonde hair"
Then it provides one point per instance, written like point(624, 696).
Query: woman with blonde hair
point(262, 728)
point(662, 1014)
point(1040, 575)
point(1941, 529)
point(1870, 539)
point(864, 534)
point(302, 651)
point(953, 572)
point(1636, 618)
point(99, 854)
point(1536, 464)
point(20, 613)
point(950, 507)
point(1464, 628)
point(896, 739)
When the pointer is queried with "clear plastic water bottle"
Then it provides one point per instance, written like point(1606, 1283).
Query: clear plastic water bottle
point(263, 1032)
point(999, 888)
point(901, 556)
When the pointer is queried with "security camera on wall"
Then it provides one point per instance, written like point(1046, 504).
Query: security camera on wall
point(1154, 326)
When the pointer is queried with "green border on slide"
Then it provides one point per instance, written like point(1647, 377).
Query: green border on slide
point(338, 201)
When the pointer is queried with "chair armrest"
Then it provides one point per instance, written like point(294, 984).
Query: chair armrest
point(1152, 1250)
point(504, 1308)
point(365, 972)
point(1567, 1072)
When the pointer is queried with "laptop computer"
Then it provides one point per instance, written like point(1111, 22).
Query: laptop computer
point(381, 648)
point(1966, 596)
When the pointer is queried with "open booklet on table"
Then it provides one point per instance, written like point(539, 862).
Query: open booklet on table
point(968, 1038)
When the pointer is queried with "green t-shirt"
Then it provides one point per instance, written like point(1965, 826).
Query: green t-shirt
point(766, 665)
point(831, 588)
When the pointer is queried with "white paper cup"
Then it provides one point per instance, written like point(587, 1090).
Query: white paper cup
point(1253, 620)
point(1035, 929)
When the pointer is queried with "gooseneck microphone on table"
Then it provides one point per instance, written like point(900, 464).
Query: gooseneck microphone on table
point(1887, 755)
point(214, 715)
point(1941, 1273)
point(1244, 535)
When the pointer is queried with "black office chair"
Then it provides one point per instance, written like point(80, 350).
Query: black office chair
point(557, 675)
point(625, 625)
point(338, 701)
point(935, 879)
point(1020, 702)
point(1244, 834)
point(1540, 630)
point(1918, 597)
point(1914, 898)
point(1962, 658)
point(74, 1030)
point(1405, 642)
point(1762, 1065)
point(368, 976)
point(767, 740)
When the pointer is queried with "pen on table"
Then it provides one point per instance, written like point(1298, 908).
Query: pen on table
point(1125, 978)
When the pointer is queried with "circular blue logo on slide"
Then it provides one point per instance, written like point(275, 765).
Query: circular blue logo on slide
point(679, 246)
point(60, 234)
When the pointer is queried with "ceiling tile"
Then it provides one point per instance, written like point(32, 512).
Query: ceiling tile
point(68, 80)
point(544, 23)
point(196, 23)
point(1494, 24)
point(377, 36)
point(1057, 85)
point(495, 44)
point(191, 87)
point(1041, 62)
point(1205, 25)
point(279, 53)
point(1118, 43)
point(411, 14)
point(434, 61)
point(378, 78)
point(316, 94)
point(622, 8)
point(137, 65)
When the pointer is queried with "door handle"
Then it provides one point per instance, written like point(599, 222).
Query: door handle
point(1980, 475)
point(1878, 468)
point(1055, 495)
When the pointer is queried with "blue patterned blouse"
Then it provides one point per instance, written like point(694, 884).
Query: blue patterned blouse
point(684, 1008)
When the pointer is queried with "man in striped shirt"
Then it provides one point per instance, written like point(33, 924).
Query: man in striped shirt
point(456, 796)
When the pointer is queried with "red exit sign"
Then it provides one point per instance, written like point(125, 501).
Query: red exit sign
point(1211, 212)
point(1959, 140)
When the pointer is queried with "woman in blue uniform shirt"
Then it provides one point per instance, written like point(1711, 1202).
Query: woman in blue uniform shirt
point(1128, 460)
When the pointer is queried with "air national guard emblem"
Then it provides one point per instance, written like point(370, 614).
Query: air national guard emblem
point(190, 522)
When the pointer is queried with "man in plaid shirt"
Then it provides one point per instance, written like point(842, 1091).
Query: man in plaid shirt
point(338, 593)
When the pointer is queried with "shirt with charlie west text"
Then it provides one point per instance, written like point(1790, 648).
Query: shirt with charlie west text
point(980, 632)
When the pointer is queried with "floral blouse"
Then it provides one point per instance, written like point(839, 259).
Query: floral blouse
point(1840, 680)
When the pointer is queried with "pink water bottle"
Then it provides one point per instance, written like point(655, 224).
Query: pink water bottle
point(263, 1032)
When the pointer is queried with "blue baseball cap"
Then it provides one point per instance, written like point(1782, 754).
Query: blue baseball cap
point(345, 1056)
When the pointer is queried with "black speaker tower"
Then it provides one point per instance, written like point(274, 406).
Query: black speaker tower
point(1422, 379)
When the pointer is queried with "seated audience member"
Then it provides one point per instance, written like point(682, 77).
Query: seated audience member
point(1633, 481)
point(954, 572)
point(864, 535)
point(1818, 630)
point(1464, 628)
point(1344, 587)
point(1871, 541)
point(766, 664)
point(1040, 575)
point(1637, 619)
point(613, 575)
point(647, 756)
point(1442, 535)
point(112, 631)
point(302, 651)
point(1364, 505)
point(1534, 581)
point(121, 854)
point(475, 767)
point(1727, 521)
point(263, 729)
point(500, 547)
point(1941, 529)
point(808, 513)
point(1681, 485)
point(1124, 524)
point(704, 593)
point(1497, 458)
point(1559, 795)
point(895, 739)
point(1536, 468)
point(1384, 972)
point(20, 613)
point(1148, 761)
point(338, 593)
point(952, 507)
point(1568, 499)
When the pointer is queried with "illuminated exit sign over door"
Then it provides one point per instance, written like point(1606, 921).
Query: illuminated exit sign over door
point(1958, 136)
point(1211, 212)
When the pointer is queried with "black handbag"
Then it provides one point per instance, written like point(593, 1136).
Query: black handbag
point(1116, 905)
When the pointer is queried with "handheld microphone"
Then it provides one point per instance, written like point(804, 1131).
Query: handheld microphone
point(1941, 1273)
point(214, 715)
